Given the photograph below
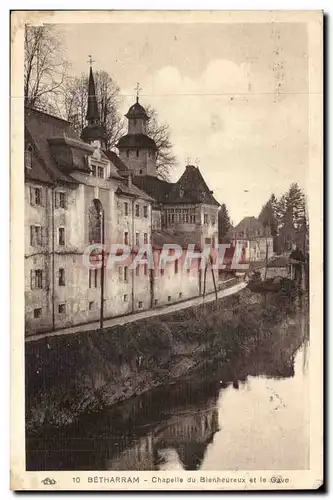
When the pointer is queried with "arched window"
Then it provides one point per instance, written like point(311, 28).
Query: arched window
point(95, 215)
point(28, 156)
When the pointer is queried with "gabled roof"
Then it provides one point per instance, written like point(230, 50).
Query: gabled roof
point(192, 188)
point(165, 236)
point(155, 187)
point(248, 224)
point(133, 191)
point(118, 163)
point(39, 128)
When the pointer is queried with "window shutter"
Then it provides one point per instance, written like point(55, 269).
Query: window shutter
point(66, 200)
point(45, 235)
point(56, 199)
point(32, 236)
point(32, 196)
point(43, 279)
point(32, 280)
point(42, 196)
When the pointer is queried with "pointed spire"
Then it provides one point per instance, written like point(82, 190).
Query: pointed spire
point(92, 109)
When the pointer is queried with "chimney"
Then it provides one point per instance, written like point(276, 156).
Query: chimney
point(129, 179)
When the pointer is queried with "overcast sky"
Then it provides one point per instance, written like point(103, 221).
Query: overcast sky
point(234, 95)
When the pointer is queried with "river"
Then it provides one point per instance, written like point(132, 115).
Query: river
point(257, 419)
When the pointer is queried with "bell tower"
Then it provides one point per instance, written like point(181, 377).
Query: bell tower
point(136, 149)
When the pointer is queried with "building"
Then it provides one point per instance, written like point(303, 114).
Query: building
point(77, 194)
point(254, 240)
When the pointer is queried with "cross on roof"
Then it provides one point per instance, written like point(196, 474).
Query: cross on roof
point(197, 161)
point(137, 89)
point(90, 60)
point(188, 160)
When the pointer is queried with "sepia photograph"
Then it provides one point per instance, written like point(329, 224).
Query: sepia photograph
point(167, 171)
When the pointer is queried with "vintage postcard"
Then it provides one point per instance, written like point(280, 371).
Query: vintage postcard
point(166, 245)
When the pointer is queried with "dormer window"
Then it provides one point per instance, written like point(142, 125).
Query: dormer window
point(93, 170)
point(101, 172)
point(28, 157)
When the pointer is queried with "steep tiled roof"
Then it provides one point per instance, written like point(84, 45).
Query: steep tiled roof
point(118, 163)
point(169, 237)
point(248, 224)
point(132, 191)
point(39, 128)
point(191, 188)
point(156, 188)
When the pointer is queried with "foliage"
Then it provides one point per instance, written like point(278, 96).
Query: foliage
point(224, 223)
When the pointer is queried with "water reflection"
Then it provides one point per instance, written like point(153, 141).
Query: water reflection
point(252, 415)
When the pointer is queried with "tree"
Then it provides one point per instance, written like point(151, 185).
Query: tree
point(292, 218)
point(224, 224)
point(268, 215)
point(44, 66)
point(73, 106)
point(160, 133)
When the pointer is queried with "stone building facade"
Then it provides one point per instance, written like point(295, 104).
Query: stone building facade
point(77, 193)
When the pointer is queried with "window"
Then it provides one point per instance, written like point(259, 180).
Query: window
point(145, 211)
point(100, 172)
point(137, 210)
point(61, 308)
point(141, 171)
point(192, 218)
point(61, 277)
point(155, 302)
point(125, 208)
point(93, 277)
point(36, 235)
point(140, 305)
point(28, 157)
point(37, 279)
point(91, 305)
point(137, 153)
point(37, 312)
point(176, 266)
point(120, 273)
point(93, 170)
point(162, 271)
point(205, 218)
point(61, 235)
point(36, 196)
point(145, 238)
point(213, 220)
point(125, 298)
point(137, 239)
point(126, 274)
point(126, 238)
point(137, 270)
point(180, 295)
point(145, 269)
point(169, 298)
point(62, 200)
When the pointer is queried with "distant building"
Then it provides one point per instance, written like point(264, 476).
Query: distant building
point(69, 183)
point(254, 240)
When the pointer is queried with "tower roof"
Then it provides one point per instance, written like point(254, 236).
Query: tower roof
point(92, 109)
point(137, 111)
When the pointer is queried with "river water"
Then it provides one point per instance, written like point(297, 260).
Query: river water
point(258, 420)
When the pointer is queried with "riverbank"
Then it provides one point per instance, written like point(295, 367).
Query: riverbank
point(69, 375)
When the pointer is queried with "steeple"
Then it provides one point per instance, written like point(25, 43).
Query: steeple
point(94, 132)
point(92, 109)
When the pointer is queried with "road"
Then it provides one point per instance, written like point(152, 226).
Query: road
point(122, 320)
